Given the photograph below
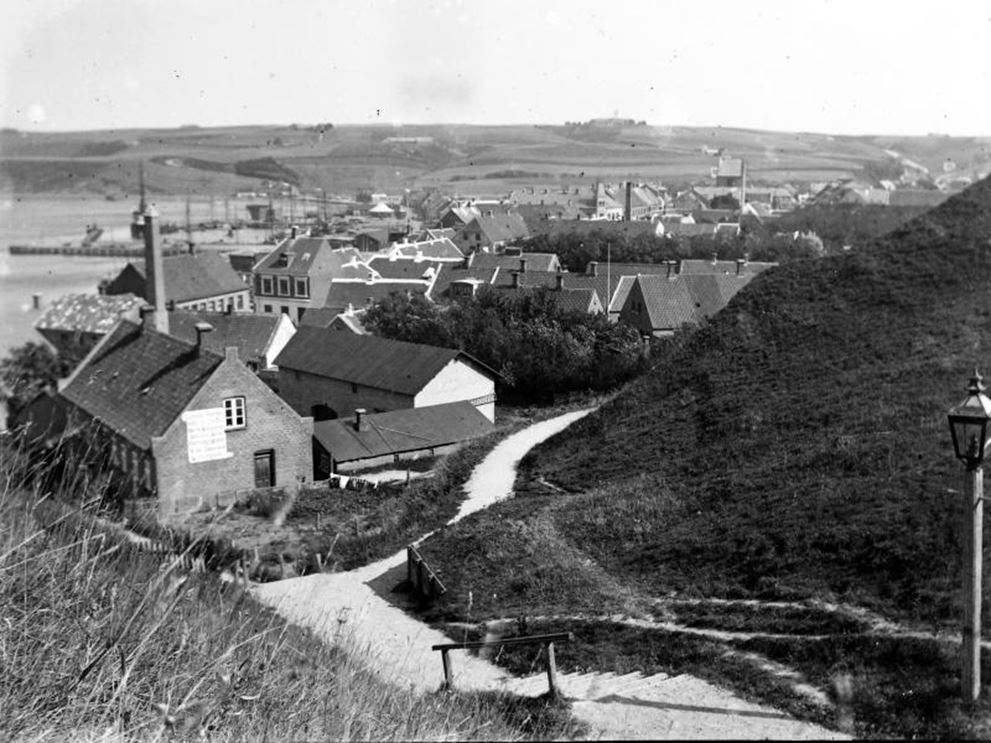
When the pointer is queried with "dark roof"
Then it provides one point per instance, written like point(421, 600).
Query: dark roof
point(319, 317)
point(250, 334)
point(918, 197)
point(727, 268)
point(448, 275)
point(375, 362)
point(398, 431)
point(500, 227)
point(611, 275)
point(138, 381)
point(682, 229)
point(403, 268)
point(300, 255)
point(534, 261)
point(576, 300)
point(440, 248)
point(198, 276)
point(88, 313)
point(357, 293)
point(687, 298)
point(528, 278)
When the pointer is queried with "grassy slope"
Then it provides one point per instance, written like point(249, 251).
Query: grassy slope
point(100, 643)
point(798, 445)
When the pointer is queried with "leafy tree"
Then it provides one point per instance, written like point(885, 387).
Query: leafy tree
point(28, 370)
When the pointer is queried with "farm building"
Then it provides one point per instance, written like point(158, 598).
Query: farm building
point(374, 439)
point(327, 373)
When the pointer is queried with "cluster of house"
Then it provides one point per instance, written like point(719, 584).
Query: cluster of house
point(183, 404)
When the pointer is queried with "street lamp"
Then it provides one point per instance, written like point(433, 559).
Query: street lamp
point(969, 427)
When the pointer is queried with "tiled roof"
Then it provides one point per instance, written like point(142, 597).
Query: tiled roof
point(198, 276)
point(504, 279)
point(447, 275)
point(319, 317)
point(681, 229)
point(499, 227)
point(88, 313)
point(576, 300)
point(403, 268)
point(727, 268)
point(138, 381)
point(357, 293)
point(367, 360)
point(534, 261)
point(300, 254)
point(440, 248)
point(250, 334)
point(671, 303)
point(441, 233)
point(399, 431)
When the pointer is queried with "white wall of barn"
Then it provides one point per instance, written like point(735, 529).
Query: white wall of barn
point(459, 381)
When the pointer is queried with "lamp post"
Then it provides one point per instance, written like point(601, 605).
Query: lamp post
point(969, 427)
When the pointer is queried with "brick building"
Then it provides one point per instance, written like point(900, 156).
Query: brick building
point(200, 281)
point(329, 374)
point(180, 426)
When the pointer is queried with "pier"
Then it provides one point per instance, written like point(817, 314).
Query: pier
point(93, 251)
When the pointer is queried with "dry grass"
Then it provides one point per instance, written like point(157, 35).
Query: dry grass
point(102, 643)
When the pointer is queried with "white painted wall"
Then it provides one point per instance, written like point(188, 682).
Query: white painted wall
point(458, 381)
point(284, 331)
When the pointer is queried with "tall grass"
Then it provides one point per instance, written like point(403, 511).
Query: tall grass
point(100, 642)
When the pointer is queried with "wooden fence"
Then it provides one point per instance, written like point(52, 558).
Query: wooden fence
point(422, 580)
point(546, 640)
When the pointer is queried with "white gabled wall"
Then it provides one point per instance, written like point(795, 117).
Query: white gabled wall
point(284, 331)
point(458, 381)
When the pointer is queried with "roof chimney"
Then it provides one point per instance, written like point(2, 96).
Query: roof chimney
point(516, 279)
point(670, 265)
point(293, 232)
point(360, 422)
point(202, 328)
point(740, 263)
point(154, 271)
point(147, 314)
point(559, 279)
point(522, 265)
point(715, 258)
point(593, 268)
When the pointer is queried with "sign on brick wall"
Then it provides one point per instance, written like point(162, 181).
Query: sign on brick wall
point(205, 436)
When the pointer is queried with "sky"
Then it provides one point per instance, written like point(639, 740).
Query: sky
point(835, 66)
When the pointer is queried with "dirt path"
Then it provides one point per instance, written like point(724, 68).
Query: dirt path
point(344, 608)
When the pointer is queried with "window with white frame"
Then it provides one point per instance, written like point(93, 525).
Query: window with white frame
point(234, 413)
point(301, 288)
point(283, 286)
point(267, 285)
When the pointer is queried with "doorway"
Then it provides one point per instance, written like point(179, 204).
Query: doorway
point(265, 468)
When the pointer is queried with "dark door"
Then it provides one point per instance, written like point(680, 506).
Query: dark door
point(264, 469)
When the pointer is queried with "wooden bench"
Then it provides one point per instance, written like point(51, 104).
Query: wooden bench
point(547, 640)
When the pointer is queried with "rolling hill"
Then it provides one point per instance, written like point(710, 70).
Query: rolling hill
point(345, 158)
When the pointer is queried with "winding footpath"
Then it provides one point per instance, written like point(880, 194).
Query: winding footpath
point(345, 608)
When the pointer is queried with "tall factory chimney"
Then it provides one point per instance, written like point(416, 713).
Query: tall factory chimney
point(154, 271)
point(628, 203)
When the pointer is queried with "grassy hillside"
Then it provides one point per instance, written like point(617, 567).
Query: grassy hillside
point(798, 443)
point(345, 158)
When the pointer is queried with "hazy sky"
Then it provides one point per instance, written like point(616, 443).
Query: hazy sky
point(845, 66)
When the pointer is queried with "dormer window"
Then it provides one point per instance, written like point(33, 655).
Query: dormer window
point(281, 260)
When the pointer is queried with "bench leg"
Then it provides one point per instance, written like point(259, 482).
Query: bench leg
point(552, 672)
point(448, 680)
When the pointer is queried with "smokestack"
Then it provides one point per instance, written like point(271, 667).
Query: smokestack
point(360, 423)
point(628, 205)
point(593, 268)
point(154, 271)
point(202, 328)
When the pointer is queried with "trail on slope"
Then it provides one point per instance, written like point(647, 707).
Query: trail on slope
point(343, 608)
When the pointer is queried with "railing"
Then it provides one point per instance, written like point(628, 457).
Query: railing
point(546, 640)
point(422, 580)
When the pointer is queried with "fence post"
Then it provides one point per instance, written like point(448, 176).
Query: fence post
point(448, 681)
point(551, 671)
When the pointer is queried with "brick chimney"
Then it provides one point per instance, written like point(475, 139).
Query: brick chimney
point(522, 265)
point(154, 271)
point(670, 265)
point(628, 204)
point(740, 263)
point(559, 282)
point(202, 328)
point(360, 422)
point(593, 268)
point(147, 314)
point(516, 279)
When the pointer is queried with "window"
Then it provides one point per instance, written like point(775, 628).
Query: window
point(234, 416)
point(285, 310)
point(240, 301)
point(301, 289)
point(283, 286)
point(266, 284)
point(354, 388)
point(267, 308)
